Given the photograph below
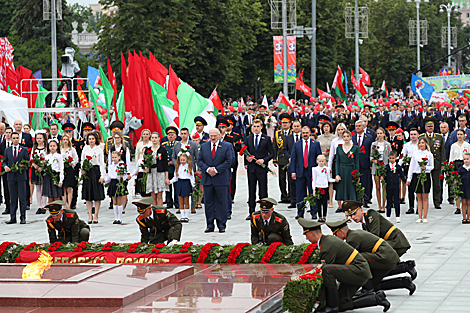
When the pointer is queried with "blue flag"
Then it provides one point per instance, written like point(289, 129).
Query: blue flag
point(345, 84)
point(94, 76)
point(421, 88)
point(38, 75)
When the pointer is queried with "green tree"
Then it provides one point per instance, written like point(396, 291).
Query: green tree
point(8, 8)
point(81, 14)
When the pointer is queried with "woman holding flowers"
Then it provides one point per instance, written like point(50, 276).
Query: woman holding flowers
point(93, 167)
point(157, 180)
point(419, 178)
point(347, 161)
point(379, 158)
point(54, 176)
point(340, 128)
point(38, 155)
point(117, 190)
point(457, 151)
point(144, 142)
point(70, 157)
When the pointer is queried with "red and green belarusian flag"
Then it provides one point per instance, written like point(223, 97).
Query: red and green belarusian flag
point(360, 89)
point(282, 102)
point(384, 88)
point(337, 85)
point(108, 91)
point(94, 100)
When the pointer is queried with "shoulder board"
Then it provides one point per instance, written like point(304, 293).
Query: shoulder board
point(125, 136)
point(255, 216)
point(236, 133)
point(165, 143)
point(50, 220)
point(139, 217)
point(278, 131)
point(162, 211)
point(278, 219)
point(177, 141)
point(399, 138)
point(230, 136)
point(70, 214)
point(366, 213)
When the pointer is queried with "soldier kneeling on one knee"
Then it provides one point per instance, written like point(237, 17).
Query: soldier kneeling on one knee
point(63, 225)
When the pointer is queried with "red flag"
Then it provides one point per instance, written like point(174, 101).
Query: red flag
point(299, 85)
point(359, 86)
point(324, 95)
point(26, 86)
point(214, 97)
point(282, 102)
point(12, 80)
point(159, 71)
point(112, 81)
point(365, 77)
point(338, 80)
point(173, 84)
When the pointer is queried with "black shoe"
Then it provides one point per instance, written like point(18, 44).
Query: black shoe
point(381, 211)
point(398, 283)
point(73, 208)
point(402, 201)
point(27, 207)
point(222, 230)
point(169, 207)
point(22, 220)
point(451, 202)
point(11, 222)
point(248, 217)
point(119, 222)
point(338, 210)
point(291, 206)
point(90, 222)
point(438, 207)
point(209, 230)
point(299, 216)
point(457, 211)
point(378, 298)
point(410, 211)
point(43, 211)
point(284, 201)
point(366, 206)
point(39, 211)
point(229, 217)
point(115, 222)
point(332, 301)
point(6, 212)
point(233, 202)
point(314, 217)
point(93, 210)
point(405, 267)
point(95, 222)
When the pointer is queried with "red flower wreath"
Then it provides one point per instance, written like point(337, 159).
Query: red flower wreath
point(269, 253)
point(307, 253)
point(232, 258)
point(205, 252)
point(186, 246)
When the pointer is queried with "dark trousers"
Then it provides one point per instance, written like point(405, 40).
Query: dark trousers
point(282, 175)
point(436, 186)
point(215, 205)
point(301, 185)
point(322, 203)
point(393, 196)
point(411, 193)
point(254, 179)
point(292, 188)
point(366, 180)
point(75, 187)
point(171, 198)
point(233, 182)
point(6, 192)
point(17, 190)
point(229, 202)
point(28, 193)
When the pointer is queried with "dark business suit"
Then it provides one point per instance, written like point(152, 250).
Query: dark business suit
point(26, 140)
point(288, 146)
point(381, 118)
point(409, 121)
point(447, 146)
point(215, 187)
point(256, 173)
point(364, 163)
point(17, 181)
point(304, 174)
point(4, 180)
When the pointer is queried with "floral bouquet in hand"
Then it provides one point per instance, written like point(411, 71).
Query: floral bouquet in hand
point(381, 171)
point(359, 189)
point(86, 166)
point(49, 171)
point(68, 162)
point(23, 164)
point(39, 160)
point(422, 175)
point(406, 160)
point(375, 154)
point(147, 163)
point(452, 178)
point(196, 191)
point(244, 152)
point(121, 171)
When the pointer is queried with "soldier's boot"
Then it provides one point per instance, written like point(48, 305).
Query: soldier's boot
point(332, 301)
point(378, 298)
point(398, 283)
point(405, 267)
point(367, 289)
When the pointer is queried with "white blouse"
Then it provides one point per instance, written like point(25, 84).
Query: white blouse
point(320, 176)
point(70, 152)
point(139, 147)
point(57, 164)
point(414, 166)
point(112, 173)
point(128, 157)
point(456, 152)
point(40, 152)
point(408, 150)
point(334, 145)
point(183, 173)
point(97, 158)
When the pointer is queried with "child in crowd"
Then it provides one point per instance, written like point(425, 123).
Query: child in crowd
point(392, 180)
point(320, 175)
point(118, 196)
point(197, 140)
point(464, 173)
point(184, 175)
point(55, 160)
point(39, 149)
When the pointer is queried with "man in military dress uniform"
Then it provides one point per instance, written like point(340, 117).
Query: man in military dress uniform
point(235, 139)
point(268, 226)
point(436, 144)
point(117, 126)
point(396, 140)
point(344, 264)
point(200, 123)
point(372, 221)
point(380, 256)
point(169, 145)
point(63, 225)
point(280, 158)
point(156, 223)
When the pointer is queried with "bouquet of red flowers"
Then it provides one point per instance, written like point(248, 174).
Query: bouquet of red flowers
point(375, 154)
point(68, 161)
point(381, 171)
point(243, 152)
point(86, 166)
point(39, 160)
point(121, 171)
point(406, 160)
point(452, 178)
point(196, 191)
point(359, 189)
point(147, 163)
point(422, 176)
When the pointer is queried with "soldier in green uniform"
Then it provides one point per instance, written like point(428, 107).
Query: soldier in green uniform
point(382, 258)
point(436, 144)
point(279, 158)
point(117, 126)
point(268, 226)
point(372, 221)
point(169, 144)
point(344, 264)
point(63, 225)
point(156, 223)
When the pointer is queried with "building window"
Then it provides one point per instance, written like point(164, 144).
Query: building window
point(468, 14)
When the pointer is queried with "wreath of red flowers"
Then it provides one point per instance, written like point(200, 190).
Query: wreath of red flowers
point(80, 246)
point(4, 246)
point(269, 253)
point(307, 253)
point(185, 247)
point(56, 245)
point(205, 252)
point(232, 258)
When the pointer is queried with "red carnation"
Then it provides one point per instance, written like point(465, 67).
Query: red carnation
point(188, 147)
point(354, 172)
point(327, 150)
point(70, 159)
point(425, 159)
point(89, 157)
point(374, 146)
point(242, 150)
point(444, 163)
point(322, 191)
point(455, 173)
point(441, 176)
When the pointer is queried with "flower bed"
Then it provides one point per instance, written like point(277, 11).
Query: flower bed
point(209, 253)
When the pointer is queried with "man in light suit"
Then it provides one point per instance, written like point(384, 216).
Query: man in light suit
point(364, 142)
point(214, 160)
point(16, 180)
point(261, 152)
point(301, 169)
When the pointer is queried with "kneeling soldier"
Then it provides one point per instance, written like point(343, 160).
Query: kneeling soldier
point(268, 226)
point(345, 264)
point(156, 223)
point(66, 222)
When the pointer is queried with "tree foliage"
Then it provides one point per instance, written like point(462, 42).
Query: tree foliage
point(8, 7)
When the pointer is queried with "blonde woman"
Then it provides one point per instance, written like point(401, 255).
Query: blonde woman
point(384, 149)
point(335, 143)
point(144, 142)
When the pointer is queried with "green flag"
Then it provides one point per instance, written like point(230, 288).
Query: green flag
point(107, 90)
point(121, 107)
point(40, 102)
point(94, 99)
point(191, 104)
point(162, 105)
point(9, 89)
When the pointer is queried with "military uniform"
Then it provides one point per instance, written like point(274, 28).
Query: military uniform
point(160, 226)
point(277, 229)
point(235, 139)
point(170, 200)
point(397, 143)
point(69, 229)
point(281, 160)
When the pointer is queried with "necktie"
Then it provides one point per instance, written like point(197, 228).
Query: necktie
point(15, 155)
point(359, 141)
point(306, 155)
point(265, 224)
point(213, 151)
point(256, 142)
point(296, 137)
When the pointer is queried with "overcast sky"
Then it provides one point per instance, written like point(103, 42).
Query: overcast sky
point(85, 2)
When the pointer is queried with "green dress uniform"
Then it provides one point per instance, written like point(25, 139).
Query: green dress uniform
point(277, 229)
point(436, 144)
point(345, 164)
point(281, 160)
point(69, 229)
point(159, 227)
point(171, 200)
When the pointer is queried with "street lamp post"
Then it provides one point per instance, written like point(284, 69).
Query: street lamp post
point(418, 39)
point(448, 8)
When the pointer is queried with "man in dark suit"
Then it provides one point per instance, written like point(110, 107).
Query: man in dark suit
point(364, 142)
point(381, 117)
point(261, 148)
point(55, 132)
point(214, 160)
point(409, 120)
point(280, 158)
point(288, 146)
point(25, 138)
point(16, 180)
point(303, 158)
point(6, 142)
